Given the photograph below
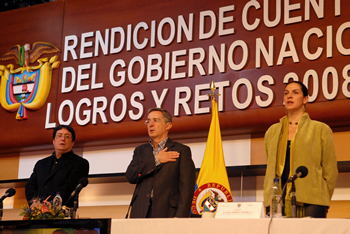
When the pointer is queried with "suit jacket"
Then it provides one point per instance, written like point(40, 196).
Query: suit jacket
point(173, 183)
point(64, 178)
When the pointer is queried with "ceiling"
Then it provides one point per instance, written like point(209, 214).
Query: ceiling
point(7, 5)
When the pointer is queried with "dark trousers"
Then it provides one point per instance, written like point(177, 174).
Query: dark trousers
point(315, 211)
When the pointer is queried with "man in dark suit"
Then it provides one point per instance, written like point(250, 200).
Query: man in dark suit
point(163, 172)
point(59, 172)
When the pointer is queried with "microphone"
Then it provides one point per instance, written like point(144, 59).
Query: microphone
point(81, 184)
point(300, 172)
point(140, 178)
point(9, 193)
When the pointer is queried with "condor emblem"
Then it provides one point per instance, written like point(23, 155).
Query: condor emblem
point(27, 86)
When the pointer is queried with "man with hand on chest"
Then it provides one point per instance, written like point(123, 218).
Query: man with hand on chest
point(163, 172)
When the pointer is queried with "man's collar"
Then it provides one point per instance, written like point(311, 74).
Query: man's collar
point(161, 144)
point(64, 155)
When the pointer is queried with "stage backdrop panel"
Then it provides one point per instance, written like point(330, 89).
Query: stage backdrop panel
point(119, 58)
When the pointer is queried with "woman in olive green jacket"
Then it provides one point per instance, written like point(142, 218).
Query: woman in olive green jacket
point(299, 141)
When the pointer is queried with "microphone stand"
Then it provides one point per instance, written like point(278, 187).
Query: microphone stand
point(294, 201)
point(1, 209)
point(75, 207)
point(133, 196)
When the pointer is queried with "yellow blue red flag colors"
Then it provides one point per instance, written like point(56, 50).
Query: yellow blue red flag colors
point(212, 184)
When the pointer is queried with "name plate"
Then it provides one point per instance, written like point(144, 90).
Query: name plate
point(240, 210)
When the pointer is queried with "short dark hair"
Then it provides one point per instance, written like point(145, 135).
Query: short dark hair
point(166, 114)
point(302, 86)
point(69, 128)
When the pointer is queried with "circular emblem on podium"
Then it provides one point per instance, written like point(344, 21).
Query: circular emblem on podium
point(207, 196)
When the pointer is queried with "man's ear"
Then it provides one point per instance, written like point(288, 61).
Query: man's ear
point(168, 126)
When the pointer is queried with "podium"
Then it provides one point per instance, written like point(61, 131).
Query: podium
point(69, 226)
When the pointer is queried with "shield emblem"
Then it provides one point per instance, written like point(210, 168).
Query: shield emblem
point(26, 87)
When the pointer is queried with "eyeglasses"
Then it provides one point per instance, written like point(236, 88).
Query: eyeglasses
point(59, 136)
point(156, 121)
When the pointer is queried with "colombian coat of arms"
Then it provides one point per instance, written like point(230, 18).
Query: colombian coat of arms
point(27, 86)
